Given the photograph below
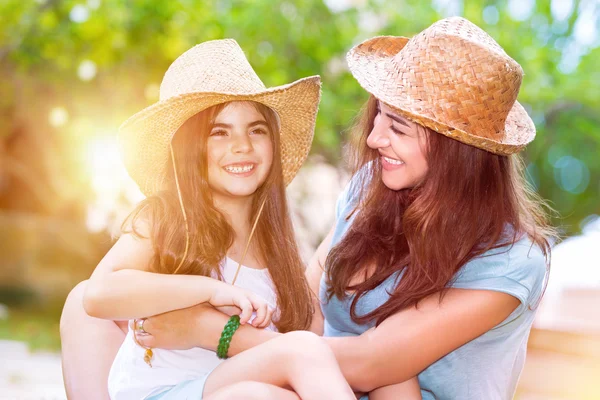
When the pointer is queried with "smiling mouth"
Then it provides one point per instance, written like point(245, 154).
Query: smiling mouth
point(239, 168)
point(392, 160)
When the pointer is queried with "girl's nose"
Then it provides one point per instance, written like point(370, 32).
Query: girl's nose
point(241, 144)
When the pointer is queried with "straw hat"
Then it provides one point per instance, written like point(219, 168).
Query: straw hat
point(453, 78)
point(211, 73)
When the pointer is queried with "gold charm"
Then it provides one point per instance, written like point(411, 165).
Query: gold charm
point(148, 357)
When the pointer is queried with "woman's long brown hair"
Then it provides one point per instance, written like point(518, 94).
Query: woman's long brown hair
point(462, 209)
point(210, 234)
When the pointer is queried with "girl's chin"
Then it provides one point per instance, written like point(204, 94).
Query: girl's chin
point(241, 189)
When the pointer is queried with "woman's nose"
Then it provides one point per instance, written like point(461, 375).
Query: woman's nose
point(378, 138)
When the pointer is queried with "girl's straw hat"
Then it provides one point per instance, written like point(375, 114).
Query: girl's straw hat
point(452, 78)
point(211, 73)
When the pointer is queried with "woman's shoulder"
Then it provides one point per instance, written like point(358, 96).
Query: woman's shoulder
point(348, 198)
point(518, 268)
point(522, 257)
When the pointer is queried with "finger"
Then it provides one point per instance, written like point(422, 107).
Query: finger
point(247, 310)
point(147, 341)
point(269, 318)
point(261, 313)
point(144, 340)
point(265, 321)
point(148, 326)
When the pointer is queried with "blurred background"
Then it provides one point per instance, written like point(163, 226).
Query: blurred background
point(73, 70)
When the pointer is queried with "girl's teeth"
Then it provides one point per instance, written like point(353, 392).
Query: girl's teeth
point(239, 170)
point(392, 161)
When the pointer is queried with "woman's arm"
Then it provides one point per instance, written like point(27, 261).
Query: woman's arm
point(396, 351)
point(408, 342)
point(400, 348)
point(121, 288)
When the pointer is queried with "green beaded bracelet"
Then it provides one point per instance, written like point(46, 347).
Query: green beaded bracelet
point(230, 327)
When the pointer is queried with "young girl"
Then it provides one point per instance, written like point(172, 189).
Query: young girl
point(213, 157)
point(217, 195)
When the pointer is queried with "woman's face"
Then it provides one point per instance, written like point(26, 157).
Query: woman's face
point(402, 147)
point(239, 150)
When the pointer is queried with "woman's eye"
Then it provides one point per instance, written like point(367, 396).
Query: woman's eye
point(218, 132)
point(396, 131)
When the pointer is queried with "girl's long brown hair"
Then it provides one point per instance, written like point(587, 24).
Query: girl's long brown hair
point(210, 234)
point(462, 209)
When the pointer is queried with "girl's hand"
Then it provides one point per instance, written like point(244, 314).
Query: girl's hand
point(226, 295)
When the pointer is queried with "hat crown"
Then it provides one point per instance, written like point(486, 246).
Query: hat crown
point(200, 70)
point(461, 76)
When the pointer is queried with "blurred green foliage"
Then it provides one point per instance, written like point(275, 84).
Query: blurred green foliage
point(100, 61)
point(38, 327)
point(131, 43)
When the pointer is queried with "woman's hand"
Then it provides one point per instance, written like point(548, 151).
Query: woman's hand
point(197, 326)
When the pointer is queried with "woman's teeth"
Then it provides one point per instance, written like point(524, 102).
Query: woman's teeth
point(392, 161)
point(239, 169)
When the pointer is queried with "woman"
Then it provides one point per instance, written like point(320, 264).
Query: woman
point(437, 259)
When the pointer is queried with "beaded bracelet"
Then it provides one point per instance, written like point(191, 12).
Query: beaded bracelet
point(230, 327)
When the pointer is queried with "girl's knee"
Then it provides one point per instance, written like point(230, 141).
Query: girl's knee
point(307, 342)
point(248, 390)
point(306, 348)
point(73, 308)
point(304, 338)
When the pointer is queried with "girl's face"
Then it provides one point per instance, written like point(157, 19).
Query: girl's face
point(402, 147)
point(239, 151)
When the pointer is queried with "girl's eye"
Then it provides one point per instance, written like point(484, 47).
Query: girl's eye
point(218, 132)
point(259, 131)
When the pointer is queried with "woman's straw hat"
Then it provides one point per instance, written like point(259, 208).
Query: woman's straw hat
point(211, 73)
point(453, 78)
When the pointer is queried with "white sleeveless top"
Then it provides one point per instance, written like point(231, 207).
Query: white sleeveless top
point(130, 378)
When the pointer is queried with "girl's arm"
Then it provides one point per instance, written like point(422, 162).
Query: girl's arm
point(121, 287)
point(314, 272)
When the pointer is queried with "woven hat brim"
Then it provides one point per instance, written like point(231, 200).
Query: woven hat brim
point(370, 64)
point(144, 138)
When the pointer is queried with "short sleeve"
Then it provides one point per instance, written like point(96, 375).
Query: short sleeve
point(518, 270)
point(344, 206)
point(342, 201)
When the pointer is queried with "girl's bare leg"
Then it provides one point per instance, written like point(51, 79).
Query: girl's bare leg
point(252, 391)
point(300, 360)
point(89, 346)
point(409, 390)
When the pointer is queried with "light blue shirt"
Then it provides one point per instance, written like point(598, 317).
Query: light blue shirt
point(487, 367)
